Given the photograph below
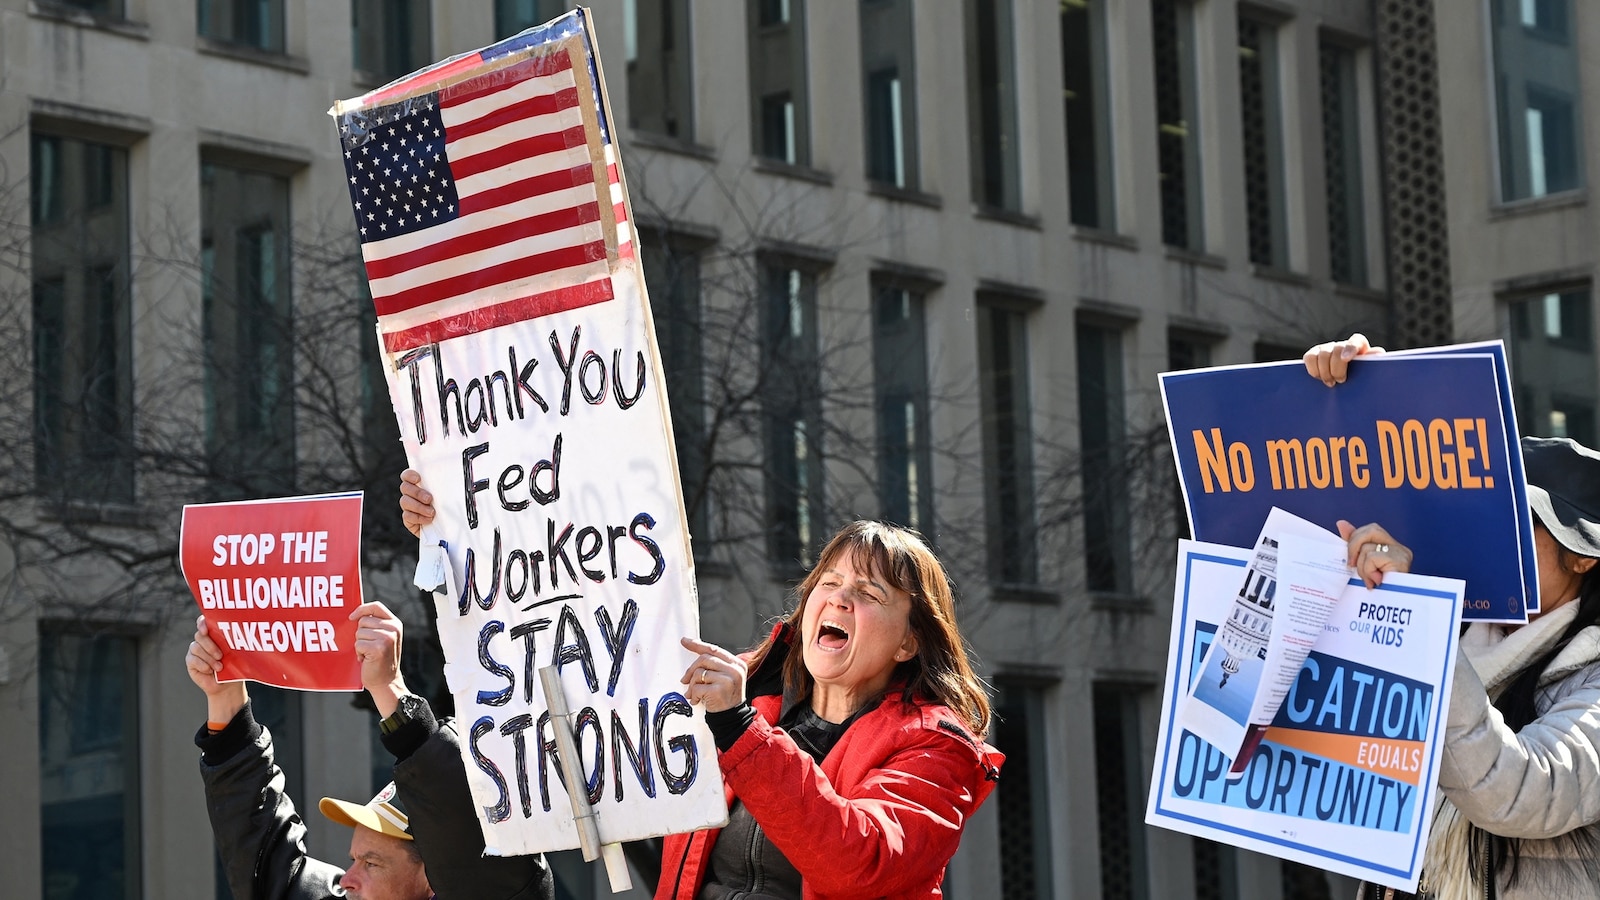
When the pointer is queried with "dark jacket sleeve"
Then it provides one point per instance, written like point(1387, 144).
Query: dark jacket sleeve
point(260, 836)
point(431, 779)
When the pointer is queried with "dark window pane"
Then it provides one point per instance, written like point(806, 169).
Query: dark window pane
point(887, 59)
point(512, 16)
point(1536, 98)
point(1261, 112)
point(88, 765)
point(900, 369)
point(1023, 794)
point(391, 38)
point(1124, 867)
point(1177, 123)
point(1341, 157)
point(1103, 442)
point(82, 333)
point(672, 275)
point(250, 23)
point(247, 331)
point(992, 104)
point(1007, 444)
point(660, 67)
point(1553, 365)
point(778, 95)
point(792, 410)
point(1083, 77)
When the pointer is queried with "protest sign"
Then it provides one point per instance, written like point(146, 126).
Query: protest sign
point(1345, 778)
point(1417, 443)
point(1508, 411)
point(276, 580)
point(523, 369)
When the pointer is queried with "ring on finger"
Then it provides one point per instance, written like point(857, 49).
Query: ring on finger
point(705, 677)
point(1383, 548)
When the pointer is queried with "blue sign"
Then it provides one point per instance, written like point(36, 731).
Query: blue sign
point(1424, 445)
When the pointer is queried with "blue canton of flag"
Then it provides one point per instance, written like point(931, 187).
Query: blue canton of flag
point(399, 176)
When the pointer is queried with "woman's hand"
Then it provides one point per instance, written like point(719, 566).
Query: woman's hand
point(1329, 363)
point(416, 504)
point(1373, 551)
point(715, 678)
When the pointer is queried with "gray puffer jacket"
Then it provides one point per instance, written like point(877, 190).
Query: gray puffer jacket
point(1540, 784)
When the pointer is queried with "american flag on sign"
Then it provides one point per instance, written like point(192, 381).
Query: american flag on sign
point(486, 188)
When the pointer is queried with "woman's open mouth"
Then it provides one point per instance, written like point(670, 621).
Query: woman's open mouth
point(831, 635)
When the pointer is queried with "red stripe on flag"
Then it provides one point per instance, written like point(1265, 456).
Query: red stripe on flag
point(466, 282)
point(542, 105)
point(510, 312)
point(500, 79)
point(484, 240)
point(547, 183)
point(430, 76)
point(527, 148)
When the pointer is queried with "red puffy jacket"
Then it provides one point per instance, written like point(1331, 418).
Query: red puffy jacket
point(880, 817)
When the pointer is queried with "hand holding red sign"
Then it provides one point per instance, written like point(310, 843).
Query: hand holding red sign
point(277, 581)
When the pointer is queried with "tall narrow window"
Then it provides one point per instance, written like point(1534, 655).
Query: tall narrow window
point(1007, 443)
point(1261, 108)
point(1103, 441)
point(249, 23)
point(1536, 97)
point(1024, 793)
point(88, 764)
point(1553, 365)
point(992, 104)
point(780, 108)
point(247, 330)
point(793, 412)
point(1083, 89)
point(512, 16)
point(390, 38)
point(672, 274)
point(889, 69)
point(82, 321)
point(660, 67)
point(1177, 123)
point(900, 370)
point(1341, 159)
point(1119, 790)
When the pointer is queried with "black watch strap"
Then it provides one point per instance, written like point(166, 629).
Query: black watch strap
point(403, 714)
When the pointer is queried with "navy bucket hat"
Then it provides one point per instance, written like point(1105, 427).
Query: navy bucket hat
point(1564, 491)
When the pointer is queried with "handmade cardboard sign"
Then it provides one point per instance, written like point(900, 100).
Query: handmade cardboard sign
point(523, 368)
point(1345, 777)
point(1418, 443)
point(276, 580)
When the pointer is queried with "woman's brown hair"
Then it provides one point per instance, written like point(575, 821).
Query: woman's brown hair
point(940, 671)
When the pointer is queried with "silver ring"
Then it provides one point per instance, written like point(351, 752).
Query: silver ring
point(1383, 548)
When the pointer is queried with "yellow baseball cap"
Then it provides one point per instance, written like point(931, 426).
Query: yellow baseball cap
point(382, 813)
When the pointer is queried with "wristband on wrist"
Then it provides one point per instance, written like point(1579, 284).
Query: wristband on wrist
point(215, 727)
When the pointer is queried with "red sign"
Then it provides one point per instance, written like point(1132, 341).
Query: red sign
point(276, 580)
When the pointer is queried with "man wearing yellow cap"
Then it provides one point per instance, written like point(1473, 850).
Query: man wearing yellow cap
point(261, 837)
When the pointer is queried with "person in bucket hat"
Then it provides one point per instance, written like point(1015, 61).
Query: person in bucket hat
point(1520, 768)
point(394, 855)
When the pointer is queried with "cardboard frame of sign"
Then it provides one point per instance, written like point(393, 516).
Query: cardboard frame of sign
point(1423, 442)
point(536, 410)
point(276, 580)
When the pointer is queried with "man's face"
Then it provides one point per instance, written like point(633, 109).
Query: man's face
point(381, 868)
